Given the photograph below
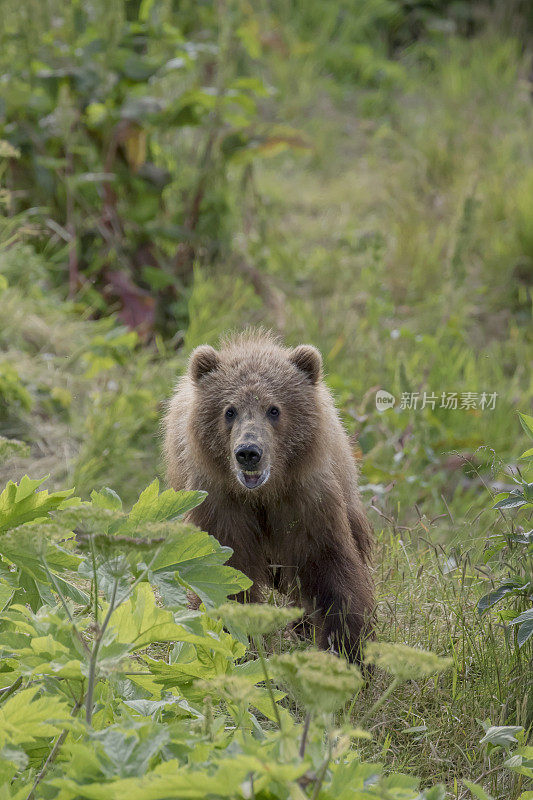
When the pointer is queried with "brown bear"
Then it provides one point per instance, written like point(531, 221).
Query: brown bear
point(256, 427)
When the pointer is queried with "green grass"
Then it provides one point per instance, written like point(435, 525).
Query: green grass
point(426, 606)
point(402, 246)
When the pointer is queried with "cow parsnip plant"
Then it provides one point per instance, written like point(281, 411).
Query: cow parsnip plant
point(112, 687)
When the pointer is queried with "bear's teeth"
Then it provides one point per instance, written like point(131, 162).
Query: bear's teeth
point(252, 479)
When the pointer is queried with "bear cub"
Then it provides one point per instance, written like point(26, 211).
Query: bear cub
point(255, 426)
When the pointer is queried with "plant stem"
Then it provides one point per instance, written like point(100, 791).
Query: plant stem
point(53, 581)
point(91, 680)
point(379, 702)
point(51, 578)
point(138, 580)
point(95, 583)
point(96, 646)
point(9, 690)
point(53, 753)
point(259, 645)
point(304, 734)
point(321, 775)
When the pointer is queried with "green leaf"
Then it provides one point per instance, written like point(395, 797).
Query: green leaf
point(171, 676)
point(128, 752)
point(399, 780)
point(25, 717)
point(42, 643)
point(154, 507)
point(6, 593)
point(107, 499)
point(137, 68)
point(503, 735)
point(140, 621)
point(477, 790)
point(525, 631)
point(524, 537)
point(528, 491)
point(70, 590)
point(514, 499)
point(527, 455)
point(490, 599)
point(527, 423)
point(168, 780)
point(21, 503)
point(521, 762)
point(28, 591)
point(197, 561)
point(27, 549)
point(148, 708)
point(525, 616)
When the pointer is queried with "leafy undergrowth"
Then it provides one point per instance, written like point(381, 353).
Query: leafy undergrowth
point(112, 686)
point(120, 689)
point(75, 393)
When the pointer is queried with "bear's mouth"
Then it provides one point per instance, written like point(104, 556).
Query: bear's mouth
point(251, 479)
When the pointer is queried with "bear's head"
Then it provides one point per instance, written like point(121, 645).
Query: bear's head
point(256, 413)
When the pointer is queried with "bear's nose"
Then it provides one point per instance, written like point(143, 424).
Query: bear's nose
point(248, 455)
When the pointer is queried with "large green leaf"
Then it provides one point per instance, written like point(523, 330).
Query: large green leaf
point(511, 587)
point(140, 621)
point(42, 644)
point(196, 560)
point(25, 717)
point(502, 735)
point(514, 499)
point(154, 507)
point(21, 503)
point(28, 550)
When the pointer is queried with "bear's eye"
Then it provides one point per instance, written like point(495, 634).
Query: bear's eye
point(230, 412)
point(273, 412)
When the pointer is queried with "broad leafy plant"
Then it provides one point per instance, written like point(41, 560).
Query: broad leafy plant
point(112, 686)
point(120, 125)
point(509, 741)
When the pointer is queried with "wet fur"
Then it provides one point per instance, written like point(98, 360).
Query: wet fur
point(308, 519)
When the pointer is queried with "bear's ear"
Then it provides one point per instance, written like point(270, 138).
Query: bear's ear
point(203, 359)
point(308, 359)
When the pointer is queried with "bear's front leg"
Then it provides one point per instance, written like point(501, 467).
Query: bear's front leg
point(337, 590)
point(233, 527)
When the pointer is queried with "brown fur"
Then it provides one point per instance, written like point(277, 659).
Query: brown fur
point(304, 530)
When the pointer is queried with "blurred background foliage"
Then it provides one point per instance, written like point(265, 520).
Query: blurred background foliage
point(359, 175)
